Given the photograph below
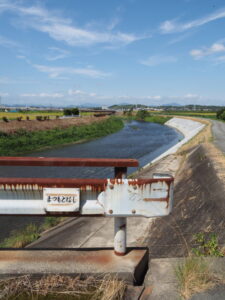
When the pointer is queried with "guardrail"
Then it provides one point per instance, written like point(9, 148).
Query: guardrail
point(118, 197)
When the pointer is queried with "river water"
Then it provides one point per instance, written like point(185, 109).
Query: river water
point(140, 140)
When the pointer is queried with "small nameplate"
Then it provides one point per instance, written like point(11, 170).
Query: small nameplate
point(61, 199)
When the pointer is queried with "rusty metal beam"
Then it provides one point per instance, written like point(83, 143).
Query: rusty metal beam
point(67, 162)
point(96, 184)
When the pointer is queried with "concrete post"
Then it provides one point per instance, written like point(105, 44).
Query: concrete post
point(120, 235)
point(120, 223)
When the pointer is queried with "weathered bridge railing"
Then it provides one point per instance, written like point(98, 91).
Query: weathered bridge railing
point(118, 197)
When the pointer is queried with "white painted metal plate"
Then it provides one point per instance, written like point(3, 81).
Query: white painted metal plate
point(61, 199)
point(148, 200)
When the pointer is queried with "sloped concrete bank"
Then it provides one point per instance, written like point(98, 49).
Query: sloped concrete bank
point(199, 206)
point(187, 127)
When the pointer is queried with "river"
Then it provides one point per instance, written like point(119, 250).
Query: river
point(140, 140)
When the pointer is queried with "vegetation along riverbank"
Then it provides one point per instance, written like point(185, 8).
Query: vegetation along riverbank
point(24, 141)
point(144, 115)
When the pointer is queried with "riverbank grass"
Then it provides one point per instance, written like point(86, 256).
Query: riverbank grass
point(21, 238)
point(23, 141)
point(30, 233)
point(157, 119)
point(152, 119)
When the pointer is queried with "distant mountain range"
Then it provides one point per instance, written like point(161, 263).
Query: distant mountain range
point(172, 104)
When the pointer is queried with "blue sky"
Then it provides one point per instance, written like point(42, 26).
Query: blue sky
point(72, 52)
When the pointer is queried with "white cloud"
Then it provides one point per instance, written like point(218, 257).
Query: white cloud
point(62, 29)
point(157, 97)
point(155, 60)
point(42, 95)
point(80, 93)
point(79, 97)
point(23, 57)
point(5, 42)
point(172, 26)
point(212, 50)
point(167, 26)
point(75, 92)
point(191, 96)
point(4, 94)
point(220, 59)
point(56, 53)
point(56, 72)
point(114, 22)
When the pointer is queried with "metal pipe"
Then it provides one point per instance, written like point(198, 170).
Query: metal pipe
point(120, 235)
point(22, 207)
point(68, 162)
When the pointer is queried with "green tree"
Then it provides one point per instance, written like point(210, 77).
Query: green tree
point(220, 114)
point(142, 114)
point(67, 112)
point(222, 117)
point(71, 111)
point(75, 111)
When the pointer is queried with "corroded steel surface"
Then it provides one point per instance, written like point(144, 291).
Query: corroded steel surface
point(142, 182)
point(40, 183)
point(67, 162)
point(138, 197)
point(83, 184)
point(131, 267)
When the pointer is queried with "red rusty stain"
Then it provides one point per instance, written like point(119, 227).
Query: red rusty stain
point(119, 253)
point(67, 162)
point(156, 199)
point(83, 184)
point(142, 182)
point(55, 214)
point(61, 258)
point(116, 181)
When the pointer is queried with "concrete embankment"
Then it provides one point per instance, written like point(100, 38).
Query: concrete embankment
point(187, 127)
point(198, 197)
point(198, 207)
point(169, 162)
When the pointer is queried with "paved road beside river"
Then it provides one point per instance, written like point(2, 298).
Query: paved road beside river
point(218, 130)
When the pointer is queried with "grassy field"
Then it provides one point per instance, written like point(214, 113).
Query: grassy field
point(33, 114)
point(200, 114)
point(30, 114)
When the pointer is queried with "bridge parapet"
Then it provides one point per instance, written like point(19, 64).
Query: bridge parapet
point(118, 197)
